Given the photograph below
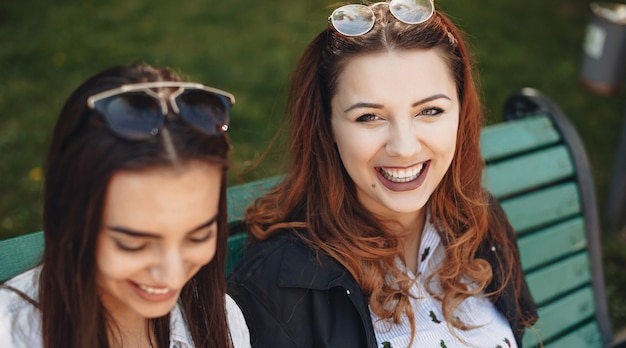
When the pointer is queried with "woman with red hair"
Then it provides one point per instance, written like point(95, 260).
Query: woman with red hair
point(381, 234)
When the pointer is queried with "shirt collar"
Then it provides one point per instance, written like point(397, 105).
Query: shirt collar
point(180, 337)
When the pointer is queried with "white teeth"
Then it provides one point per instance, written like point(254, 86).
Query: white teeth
point(402, 175)
point(154, 291)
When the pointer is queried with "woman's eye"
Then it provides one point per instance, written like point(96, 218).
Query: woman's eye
point(367, 118)
point(431, 112)
point(130, 247)
point(202, 237)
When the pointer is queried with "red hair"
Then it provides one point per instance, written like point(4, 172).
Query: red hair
point(318, 195)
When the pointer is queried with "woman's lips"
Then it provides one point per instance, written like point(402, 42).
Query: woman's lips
point(403, 179)
point(152, 293)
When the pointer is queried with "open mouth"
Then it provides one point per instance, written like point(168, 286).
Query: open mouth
point(403, 179)
point(155, 294)
point(402, 175)
point(154, 290)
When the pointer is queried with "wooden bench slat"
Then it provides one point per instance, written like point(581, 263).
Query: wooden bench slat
point(552, 243)
point(510, 138)
point(559, 316)
point(559, 278)
point(587, 336)
point(236, 246)
point(20, 253)
point(240, 196)
point(528, 171)
point(539, 208)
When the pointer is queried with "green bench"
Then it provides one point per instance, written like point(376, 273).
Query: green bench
point(538, 169)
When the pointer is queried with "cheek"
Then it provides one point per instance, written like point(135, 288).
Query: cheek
point(357, 147)
point(114, 263)
point(203, 255)
point(198, 259)
point(443, 139)
point(448, 148)
point(353, 158)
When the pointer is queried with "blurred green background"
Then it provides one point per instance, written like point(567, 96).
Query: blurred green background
point(249, 48)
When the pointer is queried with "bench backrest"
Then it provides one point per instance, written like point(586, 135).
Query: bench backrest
point(537, 168)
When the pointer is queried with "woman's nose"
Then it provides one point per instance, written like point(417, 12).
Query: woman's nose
point(404, 140)
point(169, 269)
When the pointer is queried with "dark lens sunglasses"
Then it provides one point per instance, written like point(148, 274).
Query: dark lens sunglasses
point(137, 111)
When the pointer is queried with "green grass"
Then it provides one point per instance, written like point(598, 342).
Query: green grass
point(249, 48)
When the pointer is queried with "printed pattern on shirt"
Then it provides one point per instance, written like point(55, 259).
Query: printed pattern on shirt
point(490, 328)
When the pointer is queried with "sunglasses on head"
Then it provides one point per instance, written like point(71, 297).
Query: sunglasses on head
point(138, 111)
point(357, 19)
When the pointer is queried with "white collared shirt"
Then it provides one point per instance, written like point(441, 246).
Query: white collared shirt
point(431, 329)
point(20, 321)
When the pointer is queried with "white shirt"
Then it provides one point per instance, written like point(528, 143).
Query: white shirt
point(20, 321)
point(492, 329)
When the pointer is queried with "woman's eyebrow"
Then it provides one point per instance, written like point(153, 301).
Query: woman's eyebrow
point(210, 222)
point(380, 106)
point(144, 234)
point(431, 98)
point(133, 233)
point(364, 105)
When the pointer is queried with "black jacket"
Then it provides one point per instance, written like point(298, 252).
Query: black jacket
point(292, 298)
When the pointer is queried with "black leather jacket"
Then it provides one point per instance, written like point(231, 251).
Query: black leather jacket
point(290, 297)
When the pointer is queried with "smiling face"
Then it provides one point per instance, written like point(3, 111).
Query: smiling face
point(395, 117)
point(159, 228)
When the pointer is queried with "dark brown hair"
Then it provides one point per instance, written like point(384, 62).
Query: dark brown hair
point(83, 156)
point(317, 193)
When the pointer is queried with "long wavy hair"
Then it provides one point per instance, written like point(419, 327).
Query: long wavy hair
point(318, 196)
point(83, 156)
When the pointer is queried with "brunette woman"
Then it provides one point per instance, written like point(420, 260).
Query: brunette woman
point(134, 221)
